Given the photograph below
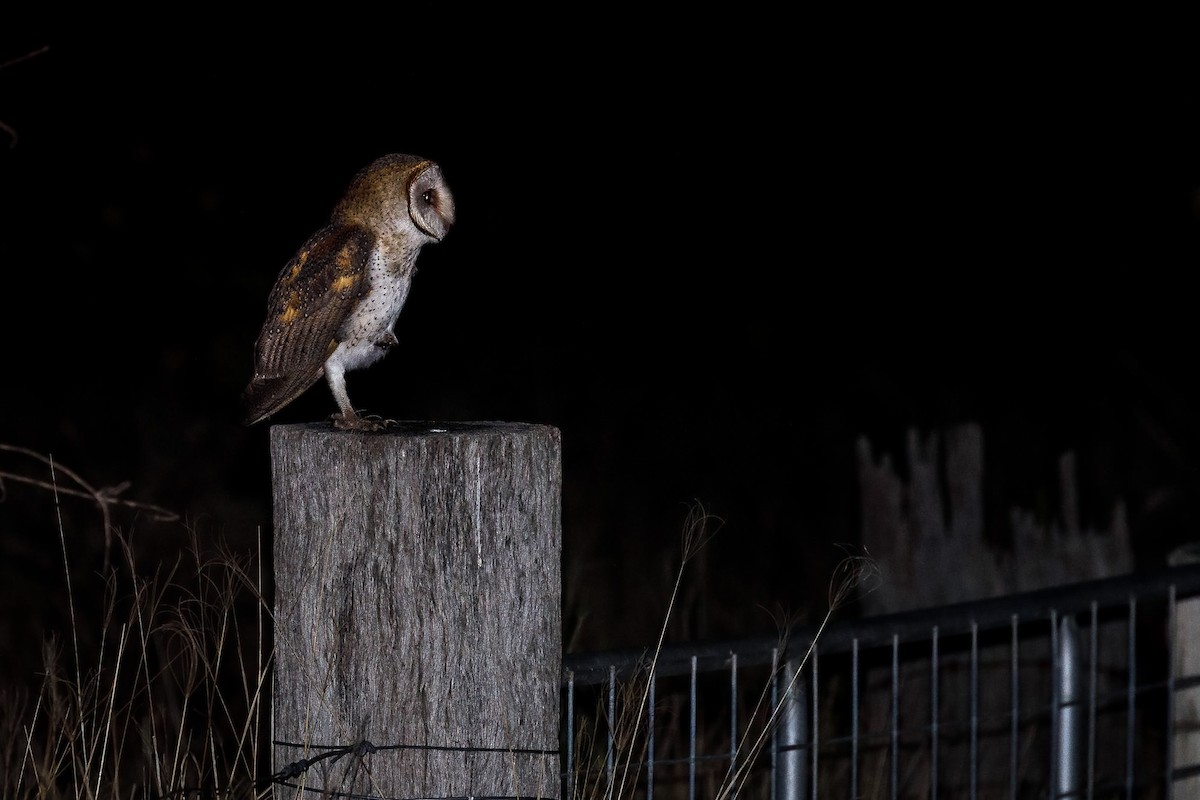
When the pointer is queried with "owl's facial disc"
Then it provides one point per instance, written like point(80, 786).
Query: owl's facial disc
point(430, 202)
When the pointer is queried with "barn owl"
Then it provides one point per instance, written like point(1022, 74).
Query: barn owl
point(335, 303)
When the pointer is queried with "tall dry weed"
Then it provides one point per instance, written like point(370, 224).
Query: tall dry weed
point(157, 688)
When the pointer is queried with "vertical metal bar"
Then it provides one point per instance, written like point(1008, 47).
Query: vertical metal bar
point(1169, 749)
point(733, 725)
point(569, 779)
point(612, 720)
point(692, 737)
point(792, 724)
point(974, 709)
point(933, 718)
point(1054, 720)
point(1094, 650)
point(895, 756)
point(1068, 710)
point(816, 724)
point(776, 677)
point(1014, 693)
point(1131, 698)
point(854, 719)
point(650, 701)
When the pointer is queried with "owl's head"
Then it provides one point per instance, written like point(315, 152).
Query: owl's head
point(403, 190)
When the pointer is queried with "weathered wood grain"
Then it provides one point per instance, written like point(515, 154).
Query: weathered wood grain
point(417, 602)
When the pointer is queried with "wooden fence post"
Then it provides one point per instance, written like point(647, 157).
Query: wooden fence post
point(417, 608)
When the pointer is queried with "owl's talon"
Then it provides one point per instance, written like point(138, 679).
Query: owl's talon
point(353, 422)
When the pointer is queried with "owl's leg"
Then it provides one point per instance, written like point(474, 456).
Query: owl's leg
point(348, 420)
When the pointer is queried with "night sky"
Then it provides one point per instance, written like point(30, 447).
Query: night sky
point(713, 257)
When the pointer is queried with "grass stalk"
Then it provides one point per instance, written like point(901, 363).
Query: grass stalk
point(114, 713)
point(627, 723)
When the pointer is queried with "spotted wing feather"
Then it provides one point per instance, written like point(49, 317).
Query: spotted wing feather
point(314, 293)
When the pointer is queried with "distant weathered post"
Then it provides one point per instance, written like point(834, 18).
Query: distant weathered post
point(1186, 667)
point(417, 608)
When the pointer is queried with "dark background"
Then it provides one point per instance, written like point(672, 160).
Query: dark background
point(714, 253)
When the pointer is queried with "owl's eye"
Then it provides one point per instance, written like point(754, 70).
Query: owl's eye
point(428, 197)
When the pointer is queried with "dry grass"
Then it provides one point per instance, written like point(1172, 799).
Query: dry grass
point(611, 771)
point(157, 689)
point(160, 688)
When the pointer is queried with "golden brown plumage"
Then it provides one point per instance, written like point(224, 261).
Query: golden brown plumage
point(334, 304)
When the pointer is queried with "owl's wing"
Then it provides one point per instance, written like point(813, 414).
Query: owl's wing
point(312, 296)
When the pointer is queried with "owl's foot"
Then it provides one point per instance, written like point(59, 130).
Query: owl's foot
point(353, 422)
point(388, 341)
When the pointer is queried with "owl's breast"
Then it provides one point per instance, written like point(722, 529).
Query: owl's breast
point(367, 331)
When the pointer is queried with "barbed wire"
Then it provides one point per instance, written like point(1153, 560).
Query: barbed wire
point(356, 796)
point(334, 753)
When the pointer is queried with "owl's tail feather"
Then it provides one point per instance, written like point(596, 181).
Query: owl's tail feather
point(266, 396)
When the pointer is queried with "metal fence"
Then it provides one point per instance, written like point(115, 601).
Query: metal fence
point(1084, 691)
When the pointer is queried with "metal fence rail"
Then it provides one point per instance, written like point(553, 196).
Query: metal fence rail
point(1071, 692)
